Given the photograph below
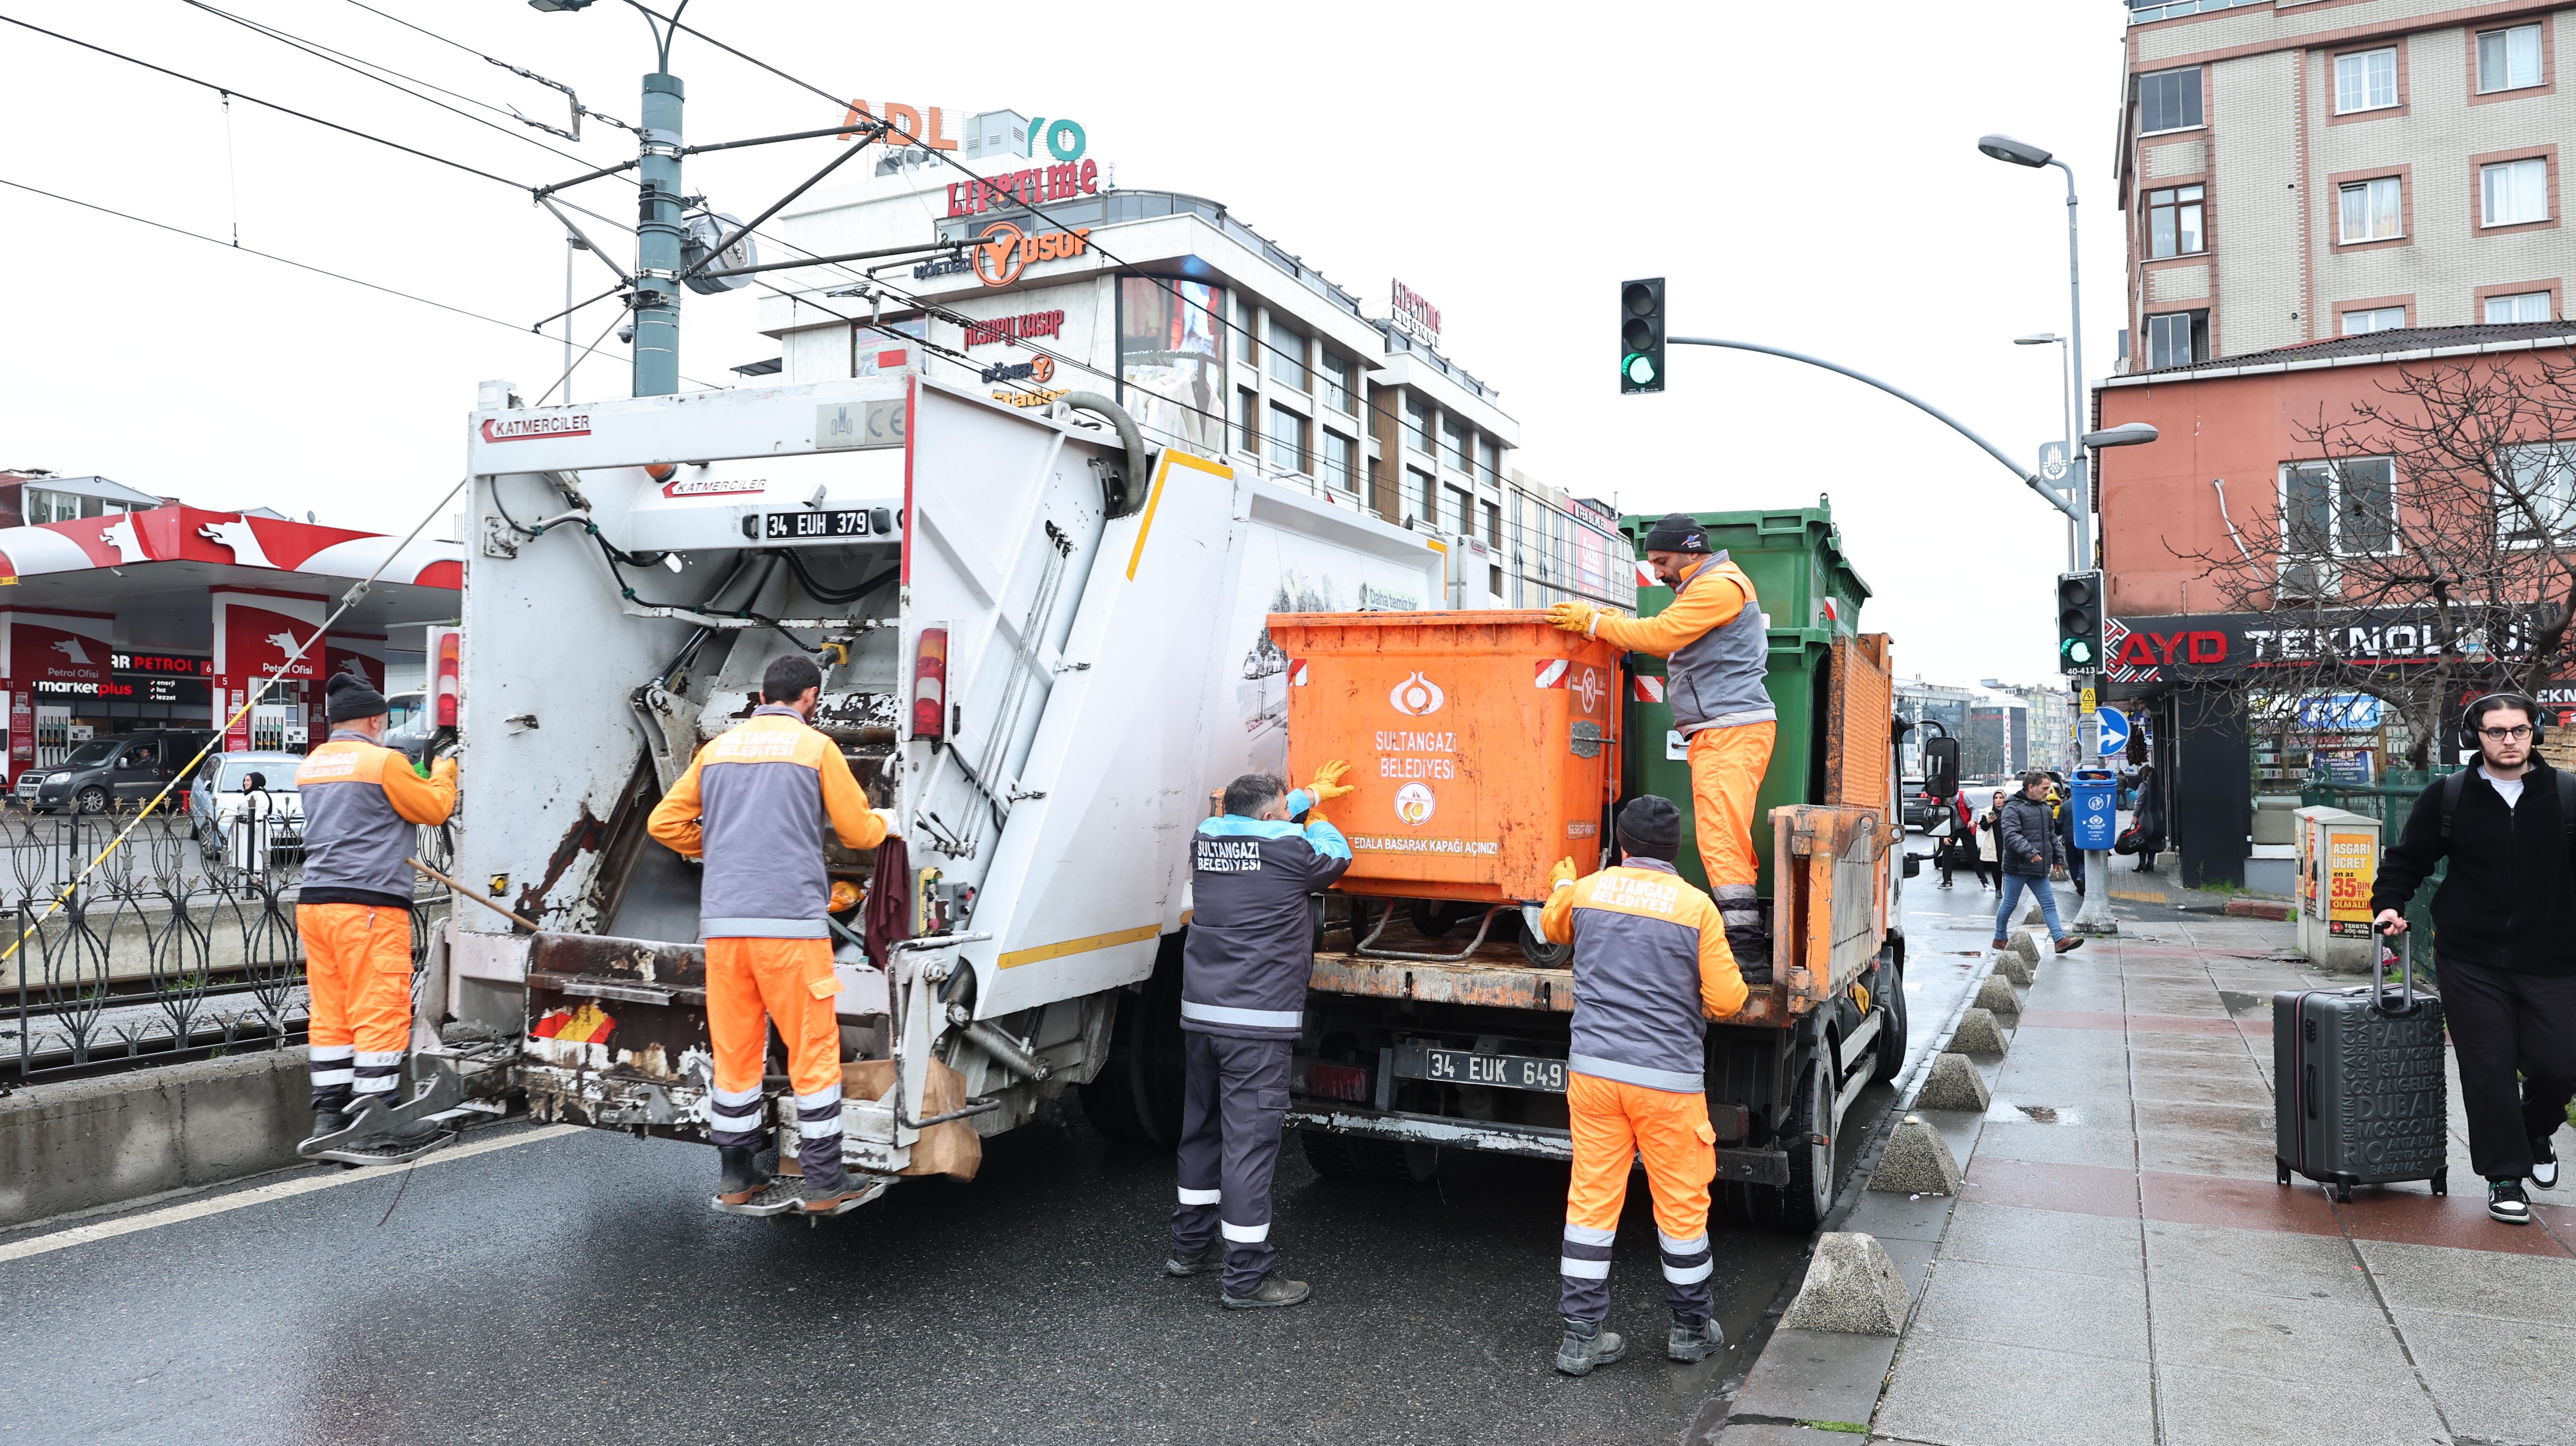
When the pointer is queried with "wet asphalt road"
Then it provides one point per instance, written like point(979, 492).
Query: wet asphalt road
point(576, 1288)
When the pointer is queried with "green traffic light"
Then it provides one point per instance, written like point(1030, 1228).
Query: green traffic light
point(1639, 368)
point(2079, 652)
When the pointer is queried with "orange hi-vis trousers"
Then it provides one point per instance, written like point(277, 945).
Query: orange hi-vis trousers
point(1726, 766)
point(1614, 1122)
point(751, 982)
point(357, 968)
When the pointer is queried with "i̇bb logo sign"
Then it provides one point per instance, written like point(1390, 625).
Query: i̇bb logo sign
point(1415, 696)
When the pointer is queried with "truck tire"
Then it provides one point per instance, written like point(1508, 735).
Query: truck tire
point(1801, 1205)
point(1893, 1034)
point(1356, 1157)
point(1136, 1097)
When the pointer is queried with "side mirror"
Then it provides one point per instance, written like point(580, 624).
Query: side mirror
point(1941, 767)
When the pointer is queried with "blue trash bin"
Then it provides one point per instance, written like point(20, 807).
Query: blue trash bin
point(2094, 793)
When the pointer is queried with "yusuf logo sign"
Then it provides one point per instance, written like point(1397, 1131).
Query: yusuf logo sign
point(1415, 696)
point(1004, 250)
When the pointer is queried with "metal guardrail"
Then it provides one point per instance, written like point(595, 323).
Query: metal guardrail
point(181, 943)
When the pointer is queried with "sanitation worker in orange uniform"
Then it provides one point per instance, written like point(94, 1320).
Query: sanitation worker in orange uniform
point(361, 800)
point(1651, 967)
point(1716, 646)
point(754, 805)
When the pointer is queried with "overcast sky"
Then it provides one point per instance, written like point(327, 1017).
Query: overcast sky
point(1809, 185)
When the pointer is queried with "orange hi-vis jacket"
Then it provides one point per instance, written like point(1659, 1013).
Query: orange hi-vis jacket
point(1716, 644)
point(360, 802)
point(1651, 967)
point(754, 805)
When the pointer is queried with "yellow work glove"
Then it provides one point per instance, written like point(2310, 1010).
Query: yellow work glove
point(444, 770)
point(1562, 876)
point(1572, 617)
point(1327, 784)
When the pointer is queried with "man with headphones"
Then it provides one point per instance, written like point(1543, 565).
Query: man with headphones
point(2505, 936)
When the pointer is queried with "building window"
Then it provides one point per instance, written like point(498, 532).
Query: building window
point(2512, 193)
point(1338, 450)
point(1287, 355)
point(1457, 444)
point(2177, 339)
point(1247, 429)
point(2522, 306)
point(2173, 222)
point(1419, 494)
point(2376, 318)
point(2508, 59)
point(39, 504)
point(1247, 346)
point(2373, 210)
point(1287, 440)
point(2345, 508)
point(2536, 493)
point(1340, 392)
point(2367, 81)
point(1417, 423)
point(2169, 101)
point(1490, 459)
point(1461, 516)
point(1493, 527)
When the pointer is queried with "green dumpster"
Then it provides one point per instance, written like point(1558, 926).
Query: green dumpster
point(1809, 595)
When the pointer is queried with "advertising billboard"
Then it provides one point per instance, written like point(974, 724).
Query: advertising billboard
point(1171, 356)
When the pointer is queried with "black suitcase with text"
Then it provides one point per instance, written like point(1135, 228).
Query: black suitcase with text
point(2358, 1093)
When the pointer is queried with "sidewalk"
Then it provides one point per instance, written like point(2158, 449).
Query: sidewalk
point(2122, 1267)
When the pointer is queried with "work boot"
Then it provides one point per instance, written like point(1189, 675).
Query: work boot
point(2069, 944)
point(1587, 1345)
point(1694, 1338)
point(367, 1115)
point(2506, 1202)
point(2544, 1164)
point(1271, 1291)
point(327, 1122)
point(822, 1198)
point(1212, 1258)
point(743, 1179)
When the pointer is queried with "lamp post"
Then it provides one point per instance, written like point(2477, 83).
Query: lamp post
point(2066, 408)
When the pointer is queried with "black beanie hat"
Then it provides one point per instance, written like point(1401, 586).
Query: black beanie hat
point(1650, 827)
point(351, 696)
point(1677, 532)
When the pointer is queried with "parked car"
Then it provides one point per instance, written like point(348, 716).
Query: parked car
point(125, 768)
point(254, 785)
point(1920, 807)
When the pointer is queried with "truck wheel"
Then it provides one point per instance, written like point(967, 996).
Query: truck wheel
point(93, 800)
point(1356, 1157)
point(1801, 1205)
point(1893, 1034)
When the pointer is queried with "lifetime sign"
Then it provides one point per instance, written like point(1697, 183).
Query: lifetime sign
point(1062, 181)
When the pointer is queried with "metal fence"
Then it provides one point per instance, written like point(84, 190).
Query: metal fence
point(180, 943)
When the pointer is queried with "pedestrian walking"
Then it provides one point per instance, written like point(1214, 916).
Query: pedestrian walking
point(1989, 862)
point(2149, 821)
point(1713, 635)
point(361, 803)
point(1944, 831)
point(753, 806)
point(1652, 966)
point(1243, 1005)
point(2029, 841)
point(2504, 940)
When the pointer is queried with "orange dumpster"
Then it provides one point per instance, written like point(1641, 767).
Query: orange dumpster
point(1484, 746)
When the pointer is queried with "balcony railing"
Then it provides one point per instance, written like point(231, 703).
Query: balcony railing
point(2142, 11)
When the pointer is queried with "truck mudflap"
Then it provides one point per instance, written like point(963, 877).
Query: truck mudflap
point(1538, 1142)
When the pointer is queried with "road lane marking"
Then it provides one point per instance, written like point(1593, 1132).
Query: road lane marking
point(260, 1195)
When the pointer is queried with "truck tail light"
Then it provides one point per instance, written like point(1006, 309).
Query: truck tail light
point(450, 651)
point(1332, 1081)
point(930, 684)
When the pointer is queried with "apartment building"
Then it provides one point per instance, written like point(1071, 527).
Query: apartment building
point(1215, 337)
point(2292, 170)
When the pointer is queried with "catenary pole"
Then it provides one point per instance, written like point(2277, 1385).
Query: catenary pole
point(2094, 915)
point(658, 237)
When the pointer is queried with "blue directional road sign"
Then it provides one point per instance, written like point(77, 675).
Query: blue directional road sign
point(2115, 730)
point(2095, 801)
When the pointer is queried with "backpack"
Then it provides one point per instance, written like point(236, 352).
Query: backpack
point(2457, 782)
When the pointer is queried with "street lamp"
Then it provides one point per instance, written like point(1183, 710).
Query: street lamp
point(2066, 409)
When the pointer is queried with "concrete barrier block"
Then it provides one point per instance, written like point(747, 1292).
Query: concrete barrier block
point(1917, 1161)
point(1953, 1084)
point(2026, 946)
point(2012, 966)
point(1851, 1288)
point(77, 1144)
point(1978, 1033)
point(1996, 997)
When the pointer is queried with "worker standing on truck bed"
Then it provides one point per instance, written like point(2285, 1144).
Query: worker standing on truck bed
point(1651, 967)
point(1716, 646)
point(754, 805)
point(1243, 997)
point(353, 912)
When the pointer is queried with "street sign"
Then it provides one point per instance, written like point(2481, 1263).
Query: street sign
point(2052, 464)
point(2087, 705)
point(2115, 730)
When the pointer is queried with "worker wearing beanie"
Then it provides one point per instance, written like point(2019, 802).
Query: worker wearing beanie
point(1717, 646)
point(1651, 967)
point(753, 805)
point(360, 801)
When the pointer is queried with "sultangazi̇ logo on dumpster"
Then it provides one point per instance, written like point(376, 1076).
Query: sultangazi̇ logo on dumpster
point(1415, 696)
point(1415, 804)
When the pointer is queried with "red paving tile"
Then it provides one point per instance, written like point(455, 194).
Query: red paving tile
point(2075, 1189)
point(2179, 1024)
point(2459, 1221)
point(2237, 1204)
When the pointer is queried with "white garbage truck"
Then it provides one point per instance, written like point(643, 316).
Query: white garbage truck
point(1042, 643)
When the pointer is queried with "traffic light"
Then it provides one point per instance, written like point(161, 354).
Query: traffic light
point(2079, 622)
point(1641, 335)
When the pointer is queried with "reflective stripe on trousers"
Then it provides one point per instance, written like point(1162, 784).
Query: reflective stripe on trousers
point(1235, 1105)
point(1614, 1122)
point(357, 969)
point(749, 983)
point(1726, 768)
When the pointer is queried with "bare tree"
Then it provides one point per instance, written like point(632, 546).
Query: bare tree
point(2425, 550)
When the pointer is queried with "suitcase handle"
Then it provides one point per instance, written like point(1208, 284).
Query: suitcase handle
point(2406, 976)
